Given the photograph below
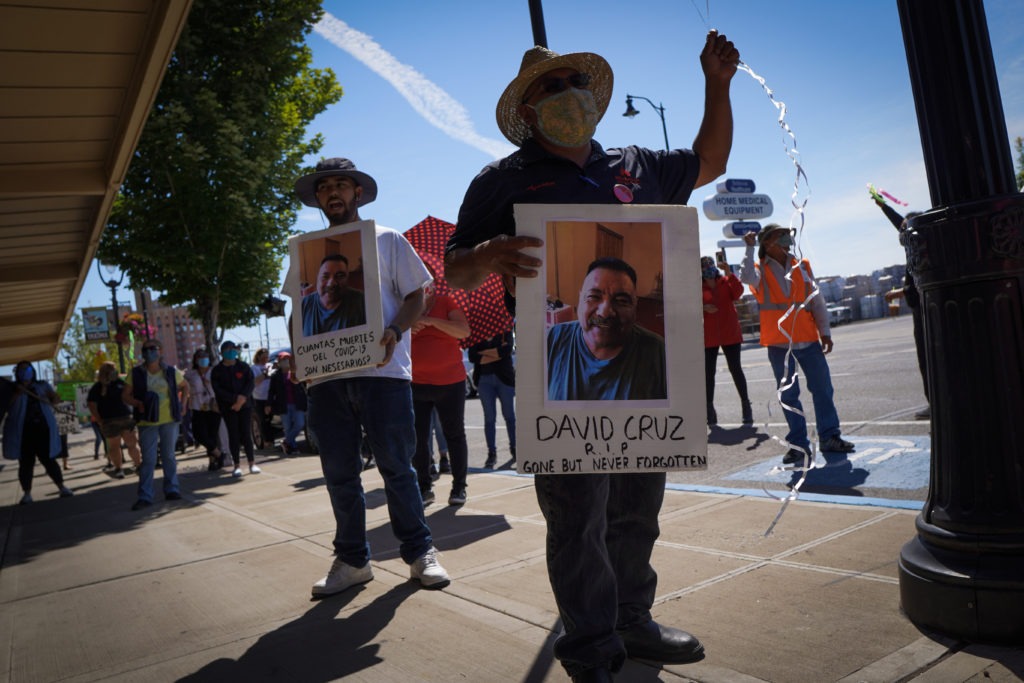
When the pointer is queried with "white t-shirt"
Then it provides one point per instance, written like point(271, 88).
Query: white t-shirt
point(401, 273)
point(260, 390)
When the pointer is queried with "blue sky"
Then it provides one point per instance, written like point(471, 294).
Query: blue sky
point(421, 81)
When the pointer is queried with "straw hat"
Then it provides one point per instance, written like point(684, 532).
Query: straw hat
point(305, 186)
point(538, 61)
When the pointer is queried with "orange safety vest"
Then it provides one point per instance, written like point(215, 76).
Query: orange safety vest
point(774, 304)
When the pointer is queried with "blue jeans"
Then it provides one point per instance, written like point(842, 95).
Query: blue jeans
point(338, 412)
point(814, 368)
point(149, 436)
point(492, 390)
point(293, 421)
point(601, 531)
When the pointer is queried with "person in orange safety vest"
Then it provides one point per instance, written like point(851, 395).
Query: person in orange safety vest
point(782, 285)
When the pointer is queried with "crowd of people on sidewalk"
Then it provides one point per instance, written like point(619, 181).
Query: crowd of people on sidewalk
point(151, 413)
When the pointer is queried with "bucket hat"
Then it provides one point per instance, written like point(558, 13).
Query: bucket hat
point(305, 186)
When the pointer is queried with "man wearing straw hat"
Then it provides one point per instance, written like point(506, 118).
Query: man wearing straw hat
point(601, 527)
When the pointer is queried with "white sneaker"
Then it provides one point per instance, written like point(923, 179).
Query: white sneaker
point(340, 577)
point(429, 571)
point(237, 473)
point(254, 469)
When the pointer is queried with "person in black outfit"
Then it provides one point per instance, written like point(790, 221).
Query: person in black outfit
point(913, 297)
point(30, 432)
point(601, 528)
point(232, 384)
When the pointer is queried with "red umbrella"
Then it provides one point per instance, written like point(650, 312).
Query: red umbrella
point(484, 306)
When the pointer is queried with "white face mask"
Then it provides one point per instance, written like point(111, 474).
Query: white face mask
point(569, 118)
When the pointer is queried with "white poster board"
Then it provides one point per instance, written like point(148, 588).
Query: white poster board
point(329, 340)
point(635, 421)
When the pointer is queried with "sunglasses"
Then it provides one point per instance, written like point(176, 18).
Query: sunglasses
point(150, 348)
point(552, 85)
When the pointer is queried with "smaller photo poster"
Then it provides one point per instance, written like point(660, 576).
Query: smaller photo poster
point(610, 345)
point(96, 323)
point(334, 285)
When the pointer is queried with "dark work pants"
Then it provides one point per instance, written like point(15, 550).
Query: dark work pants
point(732, 357)
point(35, 444)
point(239, 426)
point(450, 402)
point(206, 429)
point(601, 530)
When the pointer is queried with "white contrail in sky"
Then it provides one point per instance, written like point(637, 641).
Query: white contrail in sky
point(431, 102)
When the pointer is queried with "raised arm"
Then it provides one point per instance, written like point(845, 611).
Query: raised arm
point(713, 143)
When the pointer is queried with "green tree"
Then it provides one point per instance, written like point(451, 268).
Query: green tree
point(206, 208)
point(77, 361)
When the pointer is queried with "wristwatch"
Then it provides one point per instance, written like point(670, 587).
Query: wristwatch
point(397, 330)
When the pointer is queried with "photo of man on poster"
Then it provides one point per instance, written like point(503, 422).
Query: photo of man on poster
point(605, 355)
point(334, 300)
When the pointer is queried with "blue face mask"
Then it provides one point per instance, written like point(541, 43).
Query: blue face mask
point(231, 354)
point(203, 362)
point(709, 273)
point(151, 355)
point(26, 374)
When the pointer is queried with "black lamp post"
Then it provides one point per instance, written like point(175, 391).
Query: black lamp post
point(632, 111)
point(113, 284)
point(962, 575)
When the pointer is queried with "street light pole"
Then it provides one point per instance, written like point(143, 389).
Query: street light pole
point(112, 283)
point(631, 111)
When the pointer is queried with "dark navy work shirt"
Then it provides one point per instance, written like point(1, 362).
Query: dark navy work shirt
point(531, 175)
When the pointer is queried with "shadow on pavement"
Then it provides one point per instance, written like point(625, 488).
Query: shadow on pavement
point(732, 437)
point(320, 645)
point(837, 477)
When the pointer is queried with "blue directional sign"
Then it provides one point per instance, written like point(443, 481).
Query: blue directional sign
point(740, 228)
point(736, 185)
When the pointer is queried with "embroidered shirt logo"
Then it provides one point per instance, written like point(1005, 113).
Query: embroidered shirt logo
point(534, 188)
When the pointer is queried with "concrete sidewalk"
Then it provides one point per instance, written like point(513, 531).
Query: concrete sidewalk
point(217, 587)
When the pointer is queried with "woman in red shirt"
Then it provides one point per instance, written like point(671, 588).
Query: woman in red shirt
point(722, 329)
point(439, 381)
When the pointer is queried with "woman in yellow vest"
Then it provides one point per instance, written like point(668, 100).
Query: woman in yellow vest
point(791, 318)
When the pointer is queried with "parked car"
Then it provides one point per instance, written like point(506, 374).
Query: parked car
point(837, 315)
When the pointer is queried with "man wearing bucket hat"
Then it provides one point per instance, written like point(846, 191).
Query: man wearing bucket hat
point(780, 282)
point(601, 527)
point(377, 400)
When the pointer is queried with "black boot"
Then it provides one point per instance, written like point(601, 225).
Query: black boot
point(712, 415)
point(748, 414)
